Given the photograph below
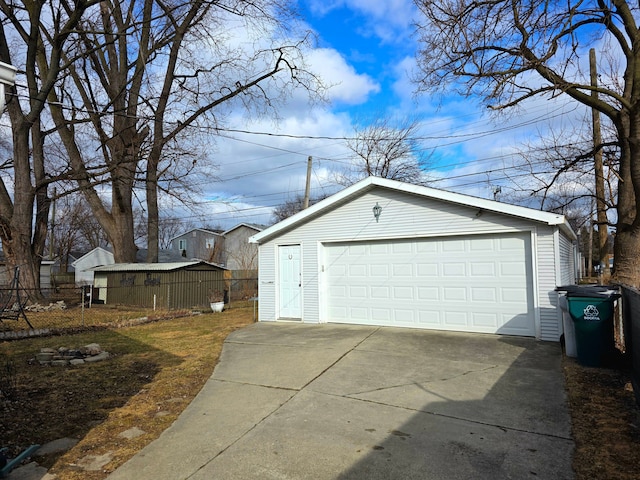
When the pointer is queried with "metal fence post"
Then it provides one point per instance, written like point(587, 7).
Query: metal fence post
point(82, 303)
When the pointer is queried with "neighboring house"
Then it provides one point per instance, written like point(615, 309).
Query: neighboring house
point(200, 244)
point(164, 256)
point(160, 285)
point(239, 254)
point(431, 259)
point(83, 266)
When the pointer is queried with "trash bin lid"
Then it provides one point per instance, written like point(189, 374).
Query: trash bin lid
point(589, 291)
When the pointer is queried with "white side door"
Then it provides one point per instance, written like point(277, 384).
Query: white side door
point(290, 281)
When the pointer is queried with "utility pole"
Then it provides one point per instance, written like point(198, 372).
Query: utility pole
point(601, 207)
point(307, 190)
point(590, 246)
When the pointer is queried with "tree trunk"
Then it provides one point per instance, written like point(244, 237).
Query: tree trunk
point(627, 261)
point(153, 215)
point(17, 238)
point(121, 231)
point(627, 239)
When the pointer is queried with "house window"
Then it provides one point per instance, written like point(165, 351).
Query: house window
point(182, 244)
point(210, 242)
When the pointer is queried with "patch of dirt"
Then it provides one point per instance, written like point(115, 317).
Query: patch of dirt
point(605, 422)
point(114, 407)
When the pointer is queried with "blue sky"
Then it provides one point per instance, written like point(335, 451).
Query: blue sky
point(366, 50)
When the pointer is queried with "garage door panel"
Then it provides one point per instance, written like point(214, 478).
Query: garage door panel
point(485, 287)
point(401, 247)
point(429, 319)
point(381, 314)
point(516, 296)
point(431, 294)
point(482, 245)
point(356, 270)
point(482, 294)
point(405, 316)
point(427, 247)
point(453, 246)
point(379, 271)
point(403, 293)
point(379, 249)
point(427, 269)
point(457, 269)
point(512, 269)
point(488, 321)
point(454, 294)
point(382, 293)
point(358, 292)
point(457, 319)
point(510, 243)
point(482, 269)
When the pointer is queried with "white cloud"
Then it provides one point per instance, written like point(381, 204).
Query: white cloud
point(389, 20)
point(347, 86)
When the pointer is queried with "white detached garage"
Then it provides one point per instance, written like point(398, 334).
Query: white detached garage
point(431, 259)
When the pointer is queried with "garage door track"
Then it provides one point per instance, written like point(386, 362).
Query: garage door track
point(296, 401)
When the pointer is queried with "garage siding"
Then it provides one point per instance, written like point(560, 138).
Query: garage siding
point(549, 328)
point(567, 261)
point(267, 281)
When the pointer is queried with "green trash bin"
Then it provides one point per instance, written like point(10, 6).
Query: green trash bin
point(593, 321)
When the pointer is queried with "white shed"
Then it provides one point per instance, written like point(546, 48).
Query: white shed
point(430, 259)
point(84, 265)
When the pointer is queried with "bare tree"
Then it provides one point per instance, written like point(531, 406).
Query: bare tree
point(170, 227)
point(509, 52)
point(130, 86)
point(74, 229)
point(385, 150)
point(24, 202)
point(293, 206)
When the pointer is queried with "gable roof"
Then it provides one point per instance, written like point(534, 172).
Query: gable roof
point(257, 228)
point(370, 183)
point(92, 253)
point(164, 256)
point(153, 267)
point(204, 230)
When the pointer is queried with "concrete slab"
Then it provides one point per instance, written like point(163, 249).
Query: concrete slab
point(290, 334)
point(317, 436)
point(222, 413)
point(254, 364)
point(333, 401)
point(478, 391)
point(30, 471)
point(59, 445)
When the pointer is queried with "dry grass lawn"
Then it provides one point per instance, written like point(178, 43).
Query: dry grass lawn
point(158, 368)
point(155, 371)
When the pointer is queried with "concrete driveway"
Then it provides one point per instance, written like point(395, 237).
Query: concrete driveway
point(296, 401)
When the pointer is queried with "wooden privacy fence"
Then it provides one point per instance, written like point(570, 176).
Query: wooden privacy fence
point(631, 320)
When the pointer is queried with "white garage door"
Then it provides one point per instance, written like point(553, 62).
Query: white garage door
point(472, 284)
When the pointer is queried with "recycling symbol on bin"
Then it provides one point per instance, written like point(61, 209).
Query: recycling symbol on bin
point(591, 313)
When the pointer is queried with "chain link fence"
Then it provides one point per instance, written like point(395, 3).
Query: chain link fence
point(66, 307)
